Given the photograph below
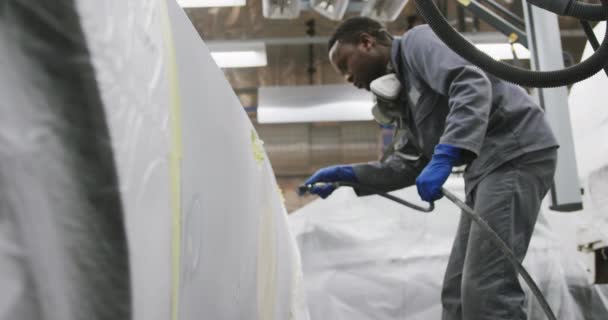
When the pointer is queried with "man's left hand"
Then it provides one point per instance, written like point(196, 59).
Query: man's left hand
point(436, 172)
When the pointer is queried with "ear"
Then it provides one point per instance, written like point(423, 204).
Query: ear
point(367, 40)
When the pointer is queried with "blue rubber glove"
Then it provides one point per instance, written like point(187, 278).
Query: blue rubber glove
point(436, 172)
point(330, 174)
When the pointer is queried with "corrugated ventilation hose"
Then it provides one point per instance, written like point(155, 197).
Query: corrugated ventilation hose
point(587, 11)
point(517, 75)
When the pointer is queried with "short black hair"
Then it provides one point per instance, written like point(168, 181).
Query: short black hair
point(350, 30)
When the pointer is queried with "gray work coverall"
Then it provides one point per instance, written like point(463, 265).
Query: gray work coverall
point(510, 154)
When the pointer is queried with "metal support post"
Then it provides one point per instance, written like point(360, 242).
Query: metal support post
point(545, 46)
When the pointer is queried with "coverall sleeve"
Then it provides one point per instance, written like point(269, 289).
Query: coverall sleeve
point(392, 173)
point(467, 87)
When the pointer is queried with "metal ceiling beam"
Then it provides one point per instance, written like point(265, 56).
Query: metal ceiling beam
point(272, 41)
point(496, 21)
point(476, 37)
point(510, 15)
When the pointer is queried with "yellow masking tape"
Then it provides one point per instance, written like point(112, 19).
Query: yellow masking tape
point(266, 259)
point(257, 146)
point(175, 156)
point(266, 264)
point(281, 195)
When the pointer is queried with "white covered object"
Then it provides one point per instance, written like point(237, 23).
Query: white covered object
point(370, 258)
point(166, 97)
point(193, 190)
point(589, 113)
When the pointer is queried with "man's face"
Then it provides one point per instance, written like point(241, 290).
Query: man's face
point(359, 63)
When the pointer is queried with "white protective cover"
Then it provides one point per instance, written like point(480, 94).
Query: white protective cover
point(370, 258)
point(220, 248)
point(589, 114)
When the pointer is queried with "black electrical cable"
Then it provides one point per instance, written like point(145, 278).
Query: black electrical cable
point(592, 39)
point(590, 35)
point(475, 217)
point(517, 75)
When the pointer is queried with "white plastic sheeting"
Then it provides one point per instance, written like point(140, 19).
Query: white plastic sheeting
point(63, 244)
point(589, 114)
point(370, 258)
point(206, 228)
point(165, 95)
point(126, 45)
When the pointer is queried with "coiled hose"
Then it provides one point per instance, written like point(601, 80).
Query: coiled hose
point(573, 8)
point(587, 11)
point(494, 238)
point(517, 75)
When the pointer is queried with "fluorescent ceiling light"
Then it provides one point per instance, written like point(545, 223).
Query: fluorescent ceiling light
point(383, 10)
point(239, 59)
point(289, 104)
point(331, 9)
point(210, 3)
point(503, 51)
point(239, 55)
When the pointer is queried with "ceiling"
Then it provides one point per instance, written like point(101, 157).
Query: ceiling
point(291, 52)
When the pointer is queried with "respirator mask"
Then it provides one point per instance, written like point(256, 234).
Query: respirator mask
point(386, 90)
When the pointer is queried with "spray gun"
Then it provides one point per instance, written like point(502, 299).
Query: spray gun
point(303, 189)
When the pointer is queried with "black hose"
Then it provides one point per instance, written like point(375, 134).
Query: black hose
point(517, 75)
point(505, 250)
point(573, 8)
point(590, 35)
point(592, 39)
point(587, 11)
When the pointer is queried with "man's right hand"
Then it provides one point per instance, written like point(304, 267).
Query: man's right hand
point(330, 175)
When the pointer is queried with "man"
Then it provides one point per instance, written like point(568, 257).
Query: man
point(451, 113)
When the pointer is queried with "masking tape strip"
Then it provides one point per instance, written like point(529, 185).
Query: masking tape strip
point(257, 147)
point(297, 304)
point(175, 156)
point(267, 264)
